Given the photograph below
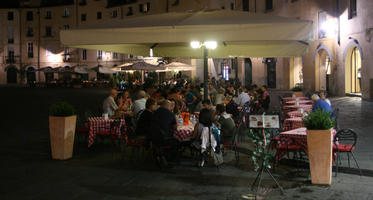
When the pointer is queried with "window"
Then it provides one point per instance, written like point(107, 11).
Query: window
point(292, 1)
point(10, 54)
point(144, 8)
point(245, 5)
point(130, 11)
point(66, 55)
point(84, 17)
point(66, 27)
point(84, 54)
point(30, 49)
point(29, 16)
point(232, 6)
point(352, 10)
point(176, 2)
point(321, 22)
point(82, 3)
point(30, 32)
point(114, 14)
point(99, 55)
point(269, 5)
point(99, 15)
point(10, 16)
point(48, 15)
point(66, 12)
point(115, 55)
point(48, 31)
point(10, 35)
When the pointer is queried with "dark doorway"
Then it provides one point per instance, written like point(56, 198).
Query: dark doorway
point(248, 72)
point(271, 72)
point(11, 74)
point(49, 77)
point(31, 75)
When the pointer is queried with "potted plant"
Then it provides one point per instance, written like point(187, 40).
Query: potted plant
point(62, 122)
point(297, 91)
point(320, 146)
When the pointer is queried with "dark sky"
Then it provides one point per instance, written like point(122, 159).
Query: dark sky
point(46, 3)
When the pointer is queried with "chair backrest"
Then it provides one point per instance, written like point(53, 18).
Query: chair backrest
point(345, 137)
point(336, 115)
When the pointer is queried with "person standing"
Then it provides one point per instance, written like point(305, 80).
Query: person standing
point(265, 98)
point(243, 98)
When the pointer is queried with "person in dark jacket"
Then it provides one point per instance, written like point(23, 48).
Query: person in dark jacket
point(144, 124)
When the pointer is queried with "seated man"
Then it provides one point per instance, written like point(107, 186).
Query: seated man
point(139, 104)
point(320, 104)
point(243, 98)
point(226, 123)
point(144, 124)
point(109, 105)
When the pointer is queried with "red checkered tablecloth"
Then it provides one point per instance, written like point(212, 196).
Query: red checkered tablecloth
point(295, 114)
point(289, 108)
point(98, 125)
point(293, 99)
point(293, 123)
point(295, 137)
point(184, 133)
point(302, 102)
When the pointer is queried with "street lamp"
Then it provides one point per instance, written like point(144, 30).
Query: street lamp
point(205, 45)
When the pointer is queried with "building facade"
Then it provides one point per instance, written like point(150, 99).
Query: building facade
point(337, 62)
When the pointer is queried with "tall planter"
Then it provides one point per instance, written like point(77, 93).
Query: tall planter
point(62, 132)
point(320, 151)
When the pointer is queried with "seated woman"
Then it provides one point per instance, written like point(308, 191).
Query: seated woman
point(226, 123)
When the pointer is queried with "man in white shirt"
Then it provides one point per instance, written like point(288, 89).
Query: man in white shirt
point(109, 105)
point(139, 104)
point(243, 98)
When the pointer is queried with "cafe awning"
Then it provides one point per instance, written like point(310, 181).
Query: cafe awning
point(178, 66)
point(238, 34)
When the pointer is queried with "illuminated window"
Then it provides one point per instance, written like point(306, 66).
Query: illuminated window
point(99, 55)
point(226, 70)
point(322, 20)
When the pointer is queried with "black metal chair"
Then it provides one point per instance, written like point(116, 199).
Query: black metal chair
point(336, 116)
point(345, 142)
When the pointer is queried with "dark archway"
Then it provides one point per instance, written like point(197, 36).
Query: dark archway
point(30, 74)
point(11, 74)
point(271, 72)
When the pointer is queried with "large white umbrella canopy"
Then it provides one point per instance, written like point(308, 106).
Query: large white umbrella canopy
point(81, 69)
point(178, 66)
point(238, 34)
point(144, 66)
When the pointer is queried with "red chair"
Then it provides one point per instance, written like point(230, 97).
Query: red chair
point(345, 142)
point(285, 145)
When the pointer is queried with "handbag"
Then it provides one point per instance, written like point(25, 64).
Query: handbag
point(218, 158)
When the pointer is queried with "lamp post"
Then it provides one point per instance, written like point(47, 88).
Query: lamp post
point(205, 46)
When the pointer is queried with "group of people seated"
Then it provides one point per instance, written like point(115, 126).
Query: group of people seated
point(153, 111)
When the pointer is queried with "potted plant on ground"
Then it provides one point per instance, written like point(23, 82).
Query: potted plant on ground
point(297, 91)
point(62, 122)
point(320, 146)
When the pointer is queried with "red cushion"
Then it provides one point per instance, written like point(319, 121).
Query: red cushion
point(289, 147)
point(343, 147)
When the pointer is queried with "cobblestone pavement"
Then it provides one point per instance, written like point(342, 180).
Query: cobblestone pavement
point(104, 172)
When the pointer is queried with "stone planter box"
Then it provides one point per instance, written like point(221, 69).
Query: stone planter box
point(320, 150)
point(62, 132)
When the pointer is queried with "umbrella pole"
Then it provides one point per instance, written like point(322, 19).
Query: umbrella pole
point(205, 74)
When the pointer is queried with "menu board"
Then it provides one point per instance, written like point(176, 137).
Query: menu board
point(264, 121)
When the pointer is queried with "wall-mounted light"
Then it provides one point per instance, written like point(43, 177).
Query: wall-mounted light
point(330, 27)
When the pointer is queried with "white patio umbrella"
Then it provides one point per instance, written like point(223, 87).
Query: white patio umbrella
point(81, 69)
point(236, 33)
point(142, 66)
point(178, 66)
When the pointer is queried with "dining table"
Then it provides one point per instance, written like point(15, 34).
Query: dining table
point(184, 133)
point(102, 126)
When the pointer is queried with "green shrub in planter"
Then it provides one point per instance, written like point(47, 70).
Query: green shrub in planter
point(61, 109)
point(297, 89)
point(319, 120)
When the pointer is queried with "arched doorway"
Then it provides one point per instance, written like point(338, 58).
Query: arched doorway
point(353, 70)
point(323, 60)
point(248, 72)
point(30, 74)
point(11, 74)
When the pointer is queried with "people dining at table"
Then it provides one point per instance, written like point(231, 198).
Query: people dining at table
point(109, 105)
point(323, 97)
point(144, 124)
point(139, 104)
point(320, 104)
point(225, 122)
point(244, 97)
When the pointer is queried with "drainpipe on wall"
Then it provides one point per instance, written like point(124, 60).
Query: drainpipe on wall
point(20, 45)
point(339, 23)
point(39, 35)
